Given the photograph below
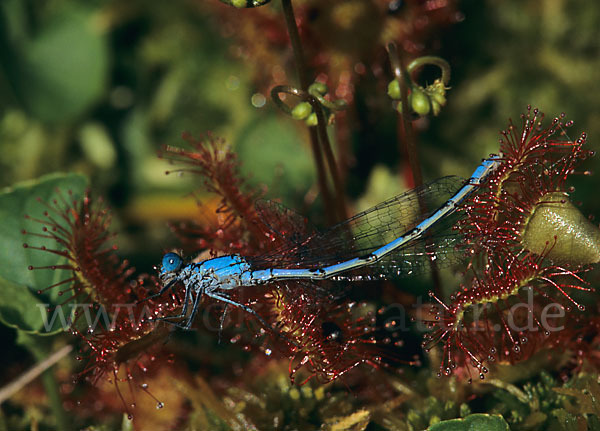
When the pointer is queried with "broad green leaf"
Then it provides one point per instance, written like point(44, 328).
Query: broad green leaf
point(19, 307)
point(22, 310)
point(474, 422)
point(15, 259)
point(63, 70)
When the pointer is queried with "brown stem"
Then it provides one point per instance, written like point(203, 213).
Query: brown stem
point(290, 22)
point(329, 200)
point(333, 169)
point(314, 138)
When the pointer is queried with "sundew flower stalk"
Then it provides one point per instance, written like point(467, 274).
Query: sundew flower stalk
point(528, 248)
point(261, 36)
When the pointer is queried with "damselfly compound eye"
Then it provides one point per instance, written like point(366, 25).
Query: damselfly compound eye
point(171, 262)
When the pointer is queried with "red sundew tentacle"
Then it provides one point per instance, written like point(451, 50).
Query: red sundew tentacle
point(65, 281)
point(49, 250)
point(524, 301)
point(507, 330)
point(561, 290)
point(118, 390)
point(38, 235)
point(240, 229)
point(578, 287)
point(566, 271)
point(159, 404)
point(69, 299)
point(502, 279)
point(129, 380)
point(52, 209)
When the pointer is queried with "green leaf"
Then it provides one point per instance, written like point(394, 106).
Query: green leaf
point(474, 422)
point(18, 307)
point(21, 306)
point(63, 70)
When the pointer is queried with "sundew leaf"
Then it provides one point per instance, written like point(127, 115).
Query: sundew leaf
point(474, 422)
point(21, 306)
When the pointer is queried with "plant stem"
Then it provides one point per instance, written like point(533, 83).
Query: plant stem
point(40, 353)
point(290, 21)
point(301, 70)
point(430, 59)
point(337, 183)
point(321, 179)
point(407, 137)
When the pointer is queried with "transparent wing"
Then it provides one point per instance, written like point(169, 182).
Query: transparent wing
point(288, 226)
point(375, 227)
point(439, 245)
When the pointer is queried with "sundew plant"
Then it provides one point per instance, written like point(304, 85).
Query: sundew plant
point(299, 215)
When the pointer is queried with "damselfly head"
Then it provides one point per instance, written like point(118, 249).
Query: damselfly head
point(171, 263)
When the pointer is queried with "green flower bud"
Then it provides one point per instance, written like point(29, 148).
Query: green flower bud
point(437, 95)
point(419, 102)
point(301, 110)
point(438, 98)
point(435, 107)
point(434, 420)
point(393, 90)
point(312, 120)
point(318, 87)
point(413, 417)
